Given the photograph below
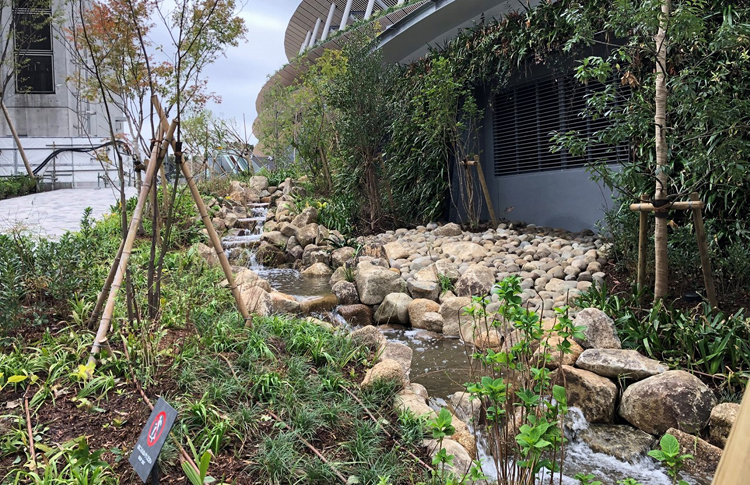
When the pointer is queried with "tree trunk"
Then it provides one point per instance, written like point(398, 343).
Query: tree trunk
point(12, 127)
point(661, 285)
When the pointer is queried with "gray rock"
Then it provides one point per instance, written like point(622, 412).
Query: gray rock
point(308, 216)
point(672, 399)
point(617, 363)
point(452, 311)
point(338, 275)
point(477, 280)
point(467, 251)
point(720, 424)
point(600, 330)
point(461, 458)
point(369, 337)
point(314, 254)
point(270, 255)
point(307, 234)
point(400, 353)
point(346, 292)
point(424, 289)
point(288, 229)
point(396, 250)
point(318, 269)
point(375, 282)
point(621, 441)
point(466, 408)
point(449, 230)
point(340, 256)
point(394, 309)
point(706, 456)
point(258, 182)
point(443, 267)
point(386, 370)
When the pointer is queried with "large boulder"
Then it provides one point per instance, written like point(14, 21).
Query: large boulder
point(318, 269)
point(433, 272)
point(616, 363)
point(418, 309)
point(448, 230)
point(400, 353)
point(394, 309)
point(594, 395)
point(289, 231)
point(375, 282)
point(464, 250)
point(452, 311)
point(276, 238)
point(369, 337)
point(674, 399)
point(258, 182)
point(424, 289)
point(283, 304)
point(270, 255)
point(357, 315)
point(340, 256)
point(314, 254)
point(307, 234)
point(414, 403)
point(373, 250)
point(720, 424)
point(600, 330)
point(395, 250)
point(461, 459)
point(318, 304)
point(466, 408)
point(624, 442)
point(207, 254)
point(477, 280)
point(346, 292)
point(309, 215)
point(386, 370)
point(257, 300)
point(706, 456)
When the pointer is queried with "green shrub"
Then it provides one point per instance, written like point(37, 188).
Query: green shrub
point(16, 186)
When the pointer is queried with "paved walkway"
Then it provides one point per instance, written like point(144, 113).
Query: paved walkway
point(51, 214)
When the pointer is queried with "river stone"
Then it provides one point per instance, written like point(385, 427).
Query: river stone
point(706, 456)
point(276, 238)
point(464, 250)
point(386, 370)
point(477, 280)
point(568, 358)
point(314, 254)
point(346, 292)
point(288, 229)
point(340, 256)
point(318, 304)
point(594, 395)
point(375, 282)
point(600, 330)
point(307, 234)
point(424, 289)
point(616, 362)
point(257, 301)
point(720, 424)
point(453, 315)
point(369, 337)
point(230, 220)
point(318, 269)
point(338, 275)
point(672, 399)
point(357, 315)
point(308, 216)
point(417, 310)
point(394, 309)
point(400, 353)
point(395, 250)
point(207, 254)
point(283, 304)
point(258, 182)
point(621, 441)
point(466, 408)
point(449, 230)
point(461, 459)
point(416, 404)
point(418, 389)
point(373, 250)
point(556, 285)
point(442, 267)
point(270, 255)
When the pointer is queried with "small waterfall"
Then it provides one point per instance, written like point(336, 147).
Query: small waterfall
point(241, 243)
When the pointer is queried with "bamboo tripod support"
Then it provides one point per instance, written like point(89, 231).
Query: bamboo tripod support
point(157, 153)
point(485, 190)
point(696, 206)
point(17, 140)
point(215, 241)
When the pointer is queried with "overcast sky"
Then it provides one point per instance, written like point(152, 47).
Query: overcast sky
point(239, 77)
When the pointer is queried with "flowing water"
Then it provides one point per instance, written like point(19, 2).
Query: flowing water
point(441, 365)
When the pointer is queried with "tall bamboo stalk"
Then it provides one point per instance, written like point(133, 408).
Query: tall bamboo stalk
point(215, 241)
point(661, 284)
point(157, 152)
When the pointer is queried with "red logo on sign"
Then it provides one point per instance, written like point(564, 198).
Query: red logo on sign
point(156, 429)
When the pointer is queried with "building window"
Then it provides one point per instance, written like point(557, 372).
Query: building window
point(33, 46)
point(525, 116)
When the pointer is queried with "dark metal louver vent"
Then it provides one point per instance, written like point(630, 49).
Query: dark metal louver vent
point(525, 116)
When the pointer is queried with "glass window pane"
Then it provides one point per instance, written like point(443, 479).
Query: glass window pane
point(35, 74)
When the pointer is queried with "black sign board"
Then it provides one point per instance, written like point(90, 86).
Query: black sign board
point(152, 438)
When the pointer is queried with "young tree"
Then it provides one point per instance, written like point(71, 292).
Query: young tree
point(661, 286)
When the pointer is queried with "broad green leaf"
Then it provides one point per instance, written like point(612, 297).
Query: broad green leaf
point(669, 445)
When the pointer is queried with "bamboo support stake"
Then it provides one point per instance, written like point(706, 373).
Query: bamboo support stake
point(107, 286)
point(642, 247)
point(734, 466)
point(678, 206)
point(700, 234)
point(485, 190)
point(101, 334)
point(17, 140)
point(215, 241)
